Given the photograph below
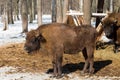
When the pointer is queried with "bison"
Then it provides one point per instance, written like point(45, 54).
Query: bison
point(111, 27)
point(61, 38)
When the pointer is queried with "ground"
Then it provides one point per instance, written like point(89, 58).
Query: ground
point(16, 64)
point(106, 62)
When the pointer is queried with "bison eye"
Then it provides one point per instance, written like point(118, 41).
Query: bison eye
point(34, 40)
point(111, 24)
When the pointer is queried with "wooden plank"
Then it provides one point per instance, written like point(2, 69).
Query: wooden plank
point(81, 14)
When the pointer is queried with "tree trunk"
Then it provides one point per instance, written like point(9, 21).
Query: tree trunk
point(17, 9)
point(30, 11)
point(99, 10)
point(24, 16)
point(87, 11)
point(59, 11)
point(65, 9)
point(111, 5)
point(81, 5)
point(39, 12)
point(10, 12)
point(4, 18)
point(54, 10)
point(116, 6)
point(71, 6)
point(33, 9)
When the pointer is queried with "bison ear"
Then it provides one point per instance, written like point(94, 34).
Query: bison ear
point(41, 38)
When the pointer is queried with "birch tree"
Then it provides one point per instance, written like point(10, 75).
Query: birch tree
point(10, 12)
point(87, 11)
point(59, 11)
point(54, 10)
point(65, 9)
point(24, 16)
point(39, 12)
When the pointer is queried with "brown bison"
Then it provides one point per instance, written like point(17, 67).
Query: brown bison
point(61, 38)
point(111, 27)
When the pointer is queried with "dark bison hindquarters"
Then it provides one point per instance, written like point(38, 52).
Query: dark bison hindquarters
point(61, 38)
point(111, 26)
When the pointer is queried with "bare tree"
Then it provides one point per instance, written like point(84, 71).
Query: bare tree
point(30, 11)
point(59, 11)
point(65, 9)
point(4, 17)
point(116, 6)
point(111, 5)
point(54, 10)
point(87, 11)
point(24, 16)
point(39, 12)
point(99, 10)
point(17, 9)
point(10, 12)
point(81, 5)
point(33, 8)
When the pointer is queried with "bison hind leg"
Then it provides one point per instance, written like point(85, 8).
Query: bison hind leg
point(85, 70)
point(90, 53)
point(89, 61)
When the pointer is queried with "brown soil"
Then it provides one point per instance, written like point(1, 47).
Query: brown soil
point(106, 62)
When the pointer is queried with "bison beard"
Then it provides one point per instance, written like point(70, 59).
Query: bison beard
point(62, 38)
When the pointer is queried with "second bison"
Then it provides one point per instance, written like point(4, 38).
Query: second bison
point(111, 27)
point(62, 38)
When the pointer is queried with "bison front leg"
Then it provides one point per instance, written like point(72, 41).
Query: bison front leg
point(57, 63)
point(54, 68)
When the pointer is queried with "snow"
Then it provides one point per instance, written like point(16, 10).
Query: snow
point(9, 73)
point(13, 34)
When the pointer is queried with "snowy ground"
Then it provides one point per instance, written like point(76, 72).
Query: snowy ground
point(10, 73)
point(13, 35)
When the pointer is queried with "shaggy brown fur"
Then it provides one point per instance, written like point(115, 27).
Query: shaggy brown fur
point(61, 38)
point(112, 28)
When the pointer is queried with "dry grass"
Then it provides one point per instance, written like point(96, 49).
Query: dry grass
point(106, 62)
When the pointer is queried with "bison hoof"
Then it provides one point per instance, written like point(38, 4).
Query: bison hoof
point(115, 51)
point(91, 71)
point(84, 71)
point(57, 77)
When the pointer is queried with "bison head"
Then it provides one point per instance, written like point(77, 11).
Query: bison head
point(109, 27)
point(33, 40)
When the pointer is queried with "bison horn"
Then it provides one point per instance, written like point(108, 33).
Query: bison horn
point(115, 21)
point(40, 37)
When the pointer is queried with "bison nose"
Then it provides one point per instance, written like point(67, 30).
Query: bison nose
point(25, 48)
